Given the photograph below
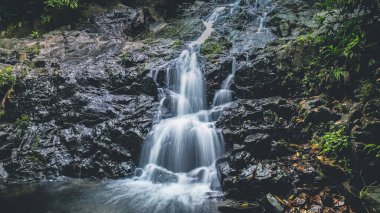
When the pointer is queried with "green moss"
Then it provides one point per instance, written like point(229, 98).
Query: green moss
point(176, 43)
point(124, 58)
point(37, 158)
point(2, 112)
point(33, 50)
point(304, 40)
point(22, 119)
point(212, 47)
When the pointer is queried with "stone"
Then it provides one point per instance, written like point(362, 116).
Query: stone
point(275, 203)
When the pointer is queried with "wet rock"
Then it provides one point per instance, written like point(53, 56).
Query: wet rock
point(259, 143)
point(257, 177)
point(123, 21)
point(215, 73)
point(292, 18)
point(258, 78)
point(163, 176)
point(230, 206)
point(321, 114)
point(275, 202)
point(264, 120)
point(365, 128)
point(84, 114)
point(3, 173)
point(133, 60)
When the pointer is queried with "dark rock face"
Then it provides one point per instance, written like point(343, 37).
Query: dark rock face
point(365, 125)
point(253, 145)
point(127, 22)
point(80, 112)
point(264, 121)
point(257, 79)
point(292, 18)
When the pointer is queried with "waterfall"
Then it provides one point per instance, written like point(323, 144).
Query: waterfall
point(177, 166)
point(188, 140)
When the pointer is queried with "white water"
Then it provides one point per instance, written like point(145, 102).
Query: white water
point(179, 154)
point(182, 149)
point(178, 157)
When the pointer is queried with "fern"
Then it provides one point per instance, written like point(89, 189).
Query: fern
point(334, 143)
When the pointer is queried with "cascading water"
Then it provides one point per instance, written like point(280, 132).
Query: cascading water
point(178, 157)
point(188, 140)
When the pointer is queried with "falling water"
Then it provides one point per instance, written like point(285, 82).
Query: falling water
point(188, 140)
point(224, 95)
point(178, 156)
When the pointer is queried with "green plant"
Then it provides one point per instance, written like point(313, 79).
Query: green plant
point(373, 149)
point(61, 3)
point(347, 43)
point(367, 89)
point(337, 75)
point(334, 143)
point(6, 77)
point(33, 50)
point(35, 34)
point(22, 119)
point(303, 40)
point(176, 43)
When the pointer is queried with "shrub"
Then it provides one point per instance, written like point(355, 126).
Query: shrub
point(7, 79)
point(334, 143)
point(367, 90)
point(347, 40)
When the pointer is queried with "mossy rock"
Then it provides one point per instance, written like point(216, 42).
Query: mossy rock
point(214, 47)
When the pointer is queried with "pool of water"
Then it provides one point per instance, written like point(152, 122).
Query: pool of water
point(114, 196)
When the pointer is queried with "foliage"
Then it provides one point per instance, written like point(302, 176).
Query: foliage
point(334, 143)
point(33, 50)
point(35, 34)
point(176, 43)
point(347, 42)
point(6, 77)
point(368, 89)
point(304, 40)
point(373, 149)
point(22, 119)
point(61, 3)
point(23, 13)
